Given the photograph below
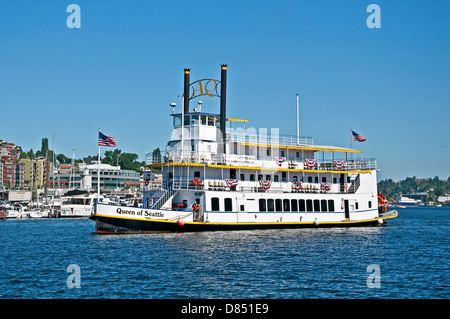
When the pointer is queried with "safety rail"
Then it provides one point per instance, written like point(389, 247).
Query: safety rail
point(189, 183)
point(271, 162)
point(163, 198)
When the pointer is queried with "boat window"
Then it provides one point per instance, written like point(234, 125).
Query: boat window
point(228, 205)
point(323, 205)
point(278, 205)
point(356, 205)
point(370, 204)
point(309, 205)
point(260, 177)
point(203, 117)
point(270, 205)
point(294, 207)
point(316, 179)
point(262, 205)
point(286, 205)
point(268, 178)
point(331, 205)
point(283, 176)
point(309, 179)
point(294, 178)
point(275, 178)
point(217, 122)
point(242, 176)
point(215, 204)
point(194, 119)
point(196, 174)
point(177, 121)
point(324, 179)
point(186, 120)
point(301, 205)
point(210, 121)
point(252, 177)
point(316, 205)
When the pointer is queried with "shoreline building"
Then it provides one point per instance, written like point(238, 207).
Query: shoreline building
point(37, 172)
point(84, 177)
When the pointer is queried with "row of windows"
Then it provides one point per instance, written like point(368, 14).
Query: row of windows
point(294, 205)
point(279, 205)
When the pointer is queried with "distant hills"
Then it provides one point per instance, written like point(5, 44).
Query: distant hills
point(433, 187)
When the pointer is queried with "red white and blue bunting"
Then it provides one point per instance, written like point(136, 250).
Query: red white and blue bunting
point(325, 186)
point(231, 183)
point(265, 184)
point(310, 162)
point(339, 164)
point(280, 160)
point(297, 184)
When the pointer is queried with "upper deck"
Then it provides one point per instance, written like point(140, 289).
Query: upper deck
point(201, 138)
point(249, 149)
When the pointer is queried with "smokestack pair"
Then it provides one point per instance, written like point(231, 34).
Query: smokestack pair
point(223, 95)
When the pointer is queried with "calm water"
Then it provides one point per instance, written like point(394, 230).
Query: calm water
point(412, 254)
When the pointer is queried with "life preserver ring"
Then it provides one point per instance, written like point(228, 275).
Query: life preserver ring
point(196, 181)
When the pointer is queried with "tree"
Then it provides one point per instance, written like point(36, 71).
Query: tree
point(125, 160)
point(63, 159)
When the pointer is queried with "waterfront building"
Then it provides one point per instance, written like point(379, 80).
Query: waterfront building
point(37, 172)
point(85, 177)
point(12, 173)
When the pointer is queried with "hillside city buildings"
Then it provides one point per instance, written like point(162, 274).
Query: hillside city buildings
point(38, 174)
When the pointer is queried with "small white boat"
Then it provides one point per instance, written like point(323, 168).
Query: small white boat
point(18, 211)
point(43, 213)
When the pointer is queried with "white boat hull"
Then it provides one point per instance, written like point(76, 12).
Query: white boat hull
point(119, 219)
point(38, 214)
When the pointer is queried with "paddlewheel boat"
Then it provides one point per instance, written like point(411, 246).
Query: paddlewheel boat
point(214, 178)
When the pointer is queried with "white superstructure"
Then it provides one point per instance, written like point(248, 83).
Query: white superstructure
point(248, 178)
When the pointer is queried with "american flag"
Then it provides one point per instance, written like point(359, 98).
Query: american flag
point(104, 140)
point(358, 137)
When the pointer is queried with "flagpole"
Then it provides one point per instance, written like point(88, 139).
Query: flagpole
point(351, 139)
point(298, 127)
point(98, 168)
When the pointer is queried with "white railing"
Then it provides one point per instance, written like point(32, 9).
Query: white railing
point(268, 137)
point(188, 183)
point(269, 162)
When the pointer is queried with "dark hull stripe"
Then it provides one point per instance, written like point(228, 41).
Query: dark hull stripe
point(123, 225)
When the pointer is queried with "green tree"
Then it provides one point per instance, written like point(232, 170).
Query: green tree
point(125, 160)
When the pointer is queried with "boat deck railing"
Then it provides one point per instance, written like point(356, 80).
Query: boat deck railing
point(211, 184)
point(271, 162)
point(265, 136)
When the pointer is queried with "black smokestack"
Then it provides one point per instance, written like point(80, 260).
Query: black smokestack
point(187, 75)
point(223, 100)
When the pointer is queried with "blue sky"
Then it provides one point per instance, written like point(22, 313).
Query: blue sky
point(123, 67)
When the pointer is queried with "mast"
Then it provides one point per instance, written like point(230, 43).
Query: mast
point(298, 127)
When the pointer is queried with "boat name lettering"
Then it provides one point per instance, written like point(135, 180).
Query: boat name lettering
point(139, 212)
